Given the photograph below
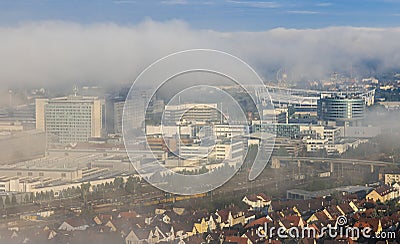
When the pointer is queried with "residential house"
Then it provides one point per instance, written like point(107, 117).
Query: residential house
point(382, 194)
point(230, 216)
point(74, 224)
point(257, 201)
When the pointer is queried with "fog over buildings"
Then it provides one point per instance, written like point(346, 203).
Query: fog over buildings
point(62, 53)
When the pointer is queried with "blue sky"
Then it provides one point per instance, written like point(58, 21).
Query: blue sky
point(221, 15)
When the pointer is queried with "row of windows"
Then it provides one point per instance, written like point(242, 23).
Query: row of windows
point(40, 174)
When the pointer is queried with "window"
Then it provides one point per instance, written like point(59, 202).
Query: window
point(63, 175)
point(30, 174)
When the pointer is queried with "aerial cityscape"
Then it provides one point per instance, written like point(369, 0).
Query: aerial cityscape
point(243, 122)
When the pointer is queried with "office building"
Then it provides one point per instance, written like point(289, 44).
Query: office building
point(229, 150)
point(70, 119)
point(342, 109)
point(191, 113)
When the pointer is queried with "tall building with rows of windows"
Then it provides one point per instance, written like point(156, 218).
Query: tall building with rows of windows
point(342, 109)
point(70, 119)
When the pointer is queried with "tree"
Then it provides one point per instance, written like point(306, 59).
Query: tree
point(85, 187)
point(38, 196)
point(7, 201)
point(26, 198)
point(203, 170)
point(118, 183)
point(13, 200)
point(32, 197)
point(130, 185)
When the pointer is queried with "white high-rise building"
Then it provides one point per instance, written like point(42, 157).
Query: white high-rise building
point(70, 119)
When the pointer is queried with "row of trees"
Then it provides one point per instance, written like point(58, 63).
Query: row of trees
point(12, 200)
point(9, 201)
point(129, 186)
point(6, 202)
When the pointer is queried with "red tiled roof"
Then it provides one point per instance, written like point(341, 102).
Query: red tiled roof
point(384, 190)
point(253, 236)
point(346, 208)
point(236, 239)
point(372, 223)
point(321, 216)
point(258, 222)
point(76, 222)
point(127, 215)
point(224, 213)
point(294, 220)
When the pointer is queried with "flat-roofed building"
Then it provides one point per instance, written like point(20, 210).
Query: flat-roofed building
point(342, 109)
point(391, 178)
point(228, 131)
point(11, 126)
point(64, 174)
point(70, 119)
point(229, 150)
point(8, 184)
point(191, 113)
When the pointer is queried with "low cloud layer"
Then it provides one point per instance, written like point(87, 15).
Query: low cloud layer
point(47, 53)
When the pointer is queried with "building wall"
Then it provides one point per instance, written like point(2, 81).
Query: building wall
point(118, 112)
point(70, 119)
point(64, 174)
point(135, 111)
point(391, 178)
point(9, 185)
point(341, 109)
point(97, 119)
point(280, 130)
point(191, 112)
point(40, 105)
point(229, 131)
point(11, 126)
point(169, 131)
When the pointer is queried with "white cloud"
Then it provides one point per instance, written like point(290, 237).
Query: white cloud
point(325, 4)
point(256, 4)
point(175, 2)
point(48, 53)
point(302, 12)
